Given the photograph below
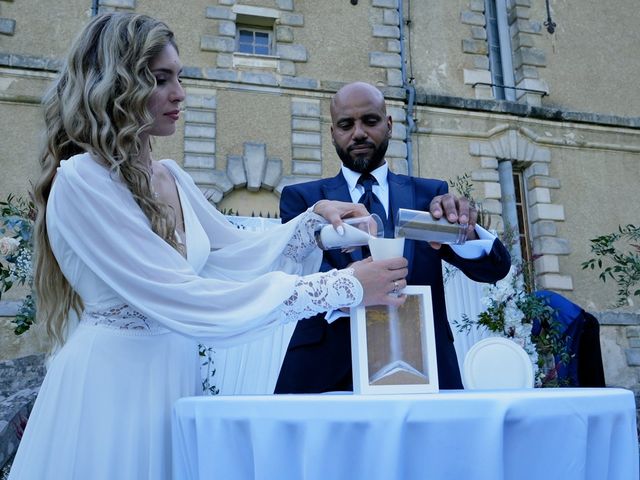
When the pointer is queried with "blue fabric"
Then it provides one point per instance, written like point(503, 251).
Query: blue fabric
point(574, 322)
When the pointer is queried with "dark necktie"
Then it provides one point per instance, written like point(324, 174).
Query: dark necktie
point(369, 199)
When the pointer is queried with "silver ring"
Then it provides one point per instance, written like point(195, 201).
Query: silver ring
point(396, 287)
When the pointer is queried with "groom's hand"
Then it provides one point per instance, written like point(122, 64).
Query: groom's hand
point(456, 210)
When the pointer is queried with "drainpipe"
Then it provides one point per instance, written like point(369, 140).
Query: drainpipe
point(409, 90)
point(509, 213)
point(94, 7)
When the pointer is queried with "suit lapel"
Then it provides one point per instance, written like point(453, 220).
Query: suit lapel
point(401, 195)
point(336, 189)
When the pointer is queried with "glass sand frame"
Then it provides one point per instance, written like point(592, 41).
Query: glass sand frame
point(389, 360)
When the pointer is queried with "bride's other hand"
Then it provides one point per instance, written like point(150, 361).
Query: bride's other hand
point(381, 280)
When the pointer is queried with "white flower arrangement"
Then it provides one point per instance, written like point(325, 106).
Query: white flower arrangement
point(512, 308)
point(16, 267)
point(504, 315)
point(510, 311)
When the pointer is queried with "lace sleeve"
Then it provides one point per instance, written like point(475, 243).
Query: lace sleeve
point(303, 240)
point(322, 292)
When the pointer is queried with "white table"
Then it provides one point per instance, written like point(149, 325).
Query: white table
point(564, 434)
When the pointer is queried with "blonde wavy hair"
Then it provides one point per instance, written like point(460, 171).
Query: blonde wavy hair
point(98, 104)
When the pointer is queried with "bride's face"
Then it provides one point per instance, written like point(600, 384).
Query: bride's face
point(165, 99)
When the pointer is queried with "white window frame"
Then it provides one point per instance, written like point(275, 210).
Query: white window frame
point(257, 19)
point(255, 29)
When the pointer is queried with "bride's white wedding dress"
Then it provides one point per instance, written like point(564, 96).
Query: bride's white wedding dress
point(103, 411)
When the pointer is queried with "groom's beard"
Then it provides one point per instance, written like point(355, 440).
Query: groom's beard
point(366, 162)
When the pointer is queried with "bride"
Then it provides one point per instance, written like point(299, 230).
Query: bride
point(132, 246)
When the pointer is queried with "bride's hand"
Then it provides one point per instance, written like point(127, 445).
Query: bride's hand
point(381, 280)
point(333, 211)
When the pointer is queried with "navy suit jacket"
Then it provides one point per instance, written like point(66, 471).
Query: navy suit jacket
point(318, 358)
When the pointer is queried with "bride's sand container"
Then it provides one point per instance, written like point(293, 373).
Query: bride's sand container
point(357, 232)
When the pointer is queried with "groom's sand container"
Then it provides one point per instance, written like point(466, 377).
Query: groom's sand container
point(416, 225)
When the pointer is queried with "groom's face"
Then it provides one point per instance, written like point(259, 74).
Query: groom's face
point(360, 128)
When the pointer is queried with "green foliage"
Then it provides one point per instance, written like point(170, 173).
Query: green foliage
point(463, 186)
point(230, 212)
point(208, 361)
point(621, 264)
point(26, 315)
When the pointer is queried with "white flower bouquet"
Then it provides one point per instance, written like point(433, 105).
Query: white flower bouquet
point(16, 226)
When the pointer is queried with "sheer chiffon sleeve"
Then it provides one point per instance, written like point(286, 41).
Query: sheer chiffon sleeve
point(248, 283)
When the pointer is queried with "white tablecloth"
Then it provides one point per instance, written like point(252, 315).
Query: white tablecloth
point(563, 434)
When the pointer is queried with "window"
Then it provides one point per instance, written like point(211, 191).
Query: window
point(523, 222)
point(255, 31)
point(499, 40)
point(253, 40)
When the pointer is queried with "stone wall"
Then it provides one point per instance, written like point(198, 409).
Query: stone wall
point(620, 341)
point(20, 381)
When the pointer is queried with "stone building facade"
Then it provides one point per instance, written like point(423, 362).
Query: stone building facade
point(545, 124)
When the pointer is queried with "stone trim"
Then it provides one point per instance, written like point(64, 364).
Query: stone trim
point(285, 4)
point(276, 69)
point(397, 151)
point(632, 353)
point(105, 6)
point(527, 59)
point(387, 26)
point(7, 26)
point(32, 62)
point(627, 319)
point(14, 60)
point(250, 11)
point(510, 144)
point(200, 142)
point(253, 170)
point(306, 142)
point(306, 138)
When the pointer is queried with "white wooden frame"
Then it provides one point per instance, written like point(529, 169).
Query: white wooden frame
point(360, 356)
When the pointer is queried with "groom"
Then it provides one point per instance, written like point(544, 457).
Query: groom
point(318, 358)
